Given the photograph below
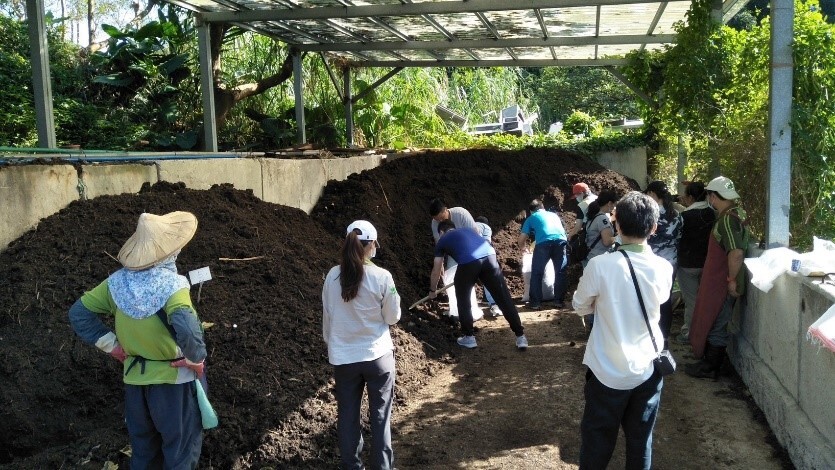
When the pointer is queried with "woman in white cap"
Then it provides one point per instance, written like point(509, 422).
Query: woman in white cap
point(158, 338)
point(359, 302)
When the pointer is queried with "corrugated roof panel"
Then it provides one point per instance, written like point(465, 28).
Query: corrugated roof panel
point(428, 30)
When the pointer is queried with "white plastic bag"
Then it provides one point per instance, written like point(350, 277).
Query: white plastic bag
point(547, 279)
point(820, 261)
point(769, 266)
point(822, 332)
point(449, 277)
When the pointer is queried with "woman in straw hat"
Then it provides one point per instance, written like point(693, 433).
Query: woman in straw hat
point(158, 338)
point(359, 303)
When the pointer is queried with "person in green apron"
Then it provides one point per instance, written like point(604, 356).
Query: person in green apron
point(723, 279)
point(157, 337)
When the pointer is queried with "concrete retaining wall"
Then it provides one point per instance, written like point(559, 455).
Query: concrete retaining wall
point(30, 193)
point(632, 163)
point(792, 381)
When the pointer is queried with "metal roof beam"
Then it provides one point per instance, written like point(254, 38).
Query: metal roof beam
point(376, 84)
point(494, 63)
point(730, 8)
point(491, 43)
point(638, 92)
point(655, 20)
point(406, 9)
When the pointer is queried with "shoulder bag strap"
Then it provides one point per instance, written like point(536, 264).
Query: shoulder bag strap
point(640, 298)
point(599, 235)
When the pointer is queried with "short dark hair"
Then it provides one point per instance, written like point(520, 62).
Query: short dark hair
point(606, 197)
point(535, 205)
point(636, 214)
point(696, 190)
point(482, 219)
point(436, 206)
point(445, 225)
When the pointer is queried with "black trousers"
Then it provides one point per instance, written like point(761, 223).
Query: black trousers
point(486, 270)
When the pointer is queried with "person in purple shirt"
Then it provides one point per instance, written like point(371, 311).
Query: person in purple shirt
point(476, 261)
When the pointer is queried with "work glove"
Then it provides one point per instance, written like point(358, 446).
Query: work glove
point(197, 367)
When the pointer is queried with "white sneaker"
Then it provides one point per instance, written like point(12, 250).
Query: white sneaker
point(467, 342)
point(495, 310)
point(521, 343)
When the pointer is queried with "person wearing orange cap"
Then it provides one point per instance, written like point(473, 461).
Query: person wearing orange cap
point(158, 338)
point(582, 193)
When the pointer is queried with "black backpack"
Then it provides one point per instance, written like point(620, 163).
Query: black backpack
point(578, 250)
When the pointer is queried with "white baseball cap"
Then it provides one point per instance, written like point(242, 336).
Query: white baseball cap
point(367, 232)
point(724, 186)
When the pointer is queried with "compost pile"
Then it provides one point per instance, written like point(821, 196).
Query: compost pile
point(269, 377)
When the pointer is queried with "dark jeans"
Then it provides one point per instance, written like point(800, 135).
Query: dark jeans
point(164, 425)
point(378, 377)
point(666, 320)
point(607, 409)
point(488, 271)
point(718, 334)
point(553, 250)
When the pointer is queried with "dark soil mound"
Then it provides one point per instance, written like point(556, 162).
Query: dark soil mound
point(268, 370)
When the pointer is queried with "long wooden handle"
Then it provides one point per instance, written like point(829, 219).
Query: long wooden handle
point(427, 297)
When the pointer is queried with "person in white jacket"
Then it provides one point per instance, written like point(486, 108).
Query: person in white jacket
point(623, 389)
point(359, 302)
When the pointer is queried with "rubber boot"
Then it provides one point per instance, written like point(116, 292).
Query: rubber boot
point(710, 365)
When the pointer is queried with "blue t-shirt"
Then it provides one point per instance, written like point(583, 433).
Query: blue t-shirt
point(463, 245)
point(545, 226)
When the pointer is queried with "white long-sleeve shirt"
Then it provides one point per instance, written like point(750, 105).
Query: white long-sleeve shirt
point(358, 330)
point(620, 351)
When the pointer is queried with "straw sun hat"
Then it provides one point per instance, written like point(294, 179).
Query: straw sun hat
point(156, 238)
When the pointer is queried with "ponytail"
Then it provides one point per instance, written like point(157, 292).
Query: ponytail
point(351, 266)
point(670, 212)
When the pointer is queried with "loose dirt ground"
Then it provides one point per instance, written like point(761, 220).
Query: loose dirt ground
point(61, 402)
point(498, 408)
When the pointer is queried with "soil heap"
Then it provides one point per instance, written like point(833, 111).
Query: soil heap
point(269, 377)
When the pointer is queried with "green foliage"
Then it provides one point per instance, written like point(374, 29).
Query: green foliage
point(580, 123)
point(17, 112)
point(615, 141)
point(712, 90)
point(558, 91)
point(147, 71)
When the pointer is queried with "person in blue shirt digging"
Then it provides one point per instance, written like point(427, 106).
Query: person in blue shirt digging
point(476, 261)
point(549, 235)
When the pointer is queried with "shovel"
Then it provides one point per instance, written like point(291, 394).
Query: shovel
point(427, 297)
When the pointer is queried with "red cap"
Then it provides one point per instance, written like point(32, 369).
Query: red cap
point(580, 188)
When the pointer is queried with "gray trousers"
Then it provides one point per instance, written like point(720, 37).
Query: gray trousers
point(688, 284)
point(378, 377)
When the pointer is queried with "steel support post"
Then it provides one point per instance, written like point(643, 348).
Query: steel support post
point(41, 81)
point(298, 92)
point(207, 87)
point(349, 106)
point(779, 125)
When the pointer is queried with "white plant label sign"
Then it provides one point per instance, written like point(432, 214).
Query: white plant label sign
point(199, 275)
